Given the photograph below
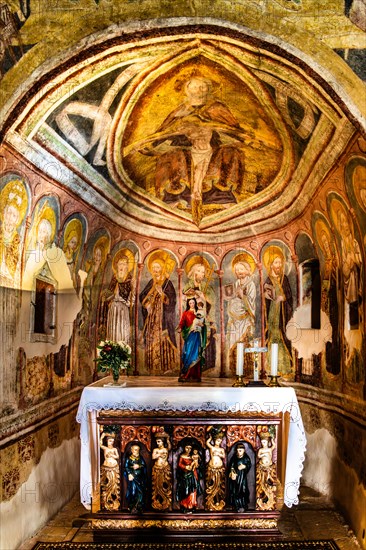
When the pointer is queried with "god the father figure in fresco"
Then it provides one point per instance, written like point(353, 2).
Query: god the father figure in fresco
point(279, 306)
point(158, 302)
point(200, 161)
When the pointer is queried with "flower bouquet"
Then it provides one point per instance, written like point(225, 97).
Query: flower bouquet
point(113, 357)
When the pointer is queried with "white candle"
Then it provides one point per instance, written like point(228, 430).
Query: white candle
point(240, 359)
point(274, 359)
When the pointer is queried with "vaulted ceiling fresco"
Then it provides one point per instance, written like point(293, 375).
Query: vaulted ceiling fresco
point(201, 133)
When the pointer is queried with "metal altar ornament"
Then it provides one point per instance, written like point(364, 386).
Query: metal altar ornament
point(255, 349)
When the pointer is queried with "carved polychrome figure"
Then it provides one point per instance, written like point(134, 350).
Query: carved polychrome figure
point(192, 325)
point(161, 498)
point(135, 472)
point(215, 473)
point(199, 287)
point(266, 473)
point(239, 467)
point(109, 474)
point(188, 478)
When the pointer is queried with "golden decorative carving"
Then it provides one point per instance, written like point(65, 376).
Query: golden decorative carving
point(109, 474)
point(215, 474)
point(184, 524)
point(266, 471)
point(161, 497)
point(198, 432)
point(139, 433)
point(237, 415)
point(241, 433)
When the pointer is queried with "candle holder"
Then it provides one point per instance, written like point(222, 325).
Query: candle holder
point(273, 381)
point(256, 383)
point(239, 382)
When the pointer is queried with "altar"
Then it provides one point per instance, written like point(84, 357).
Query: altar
point(158, 457)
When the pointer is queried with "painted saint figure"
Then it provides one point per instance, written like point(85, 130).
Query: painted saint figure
point(215, 474)
point(110, 478)
point(193, 328)
point(119, 299)
point(161, 474)
point(13, 204)
point(239, 467)
point(71, 248)
point(158, 301)
point(188, 479)
point(329, 295)
point(279, 306)
point(93, 283)
point(241, 305)
point(135, 472)
point(351, 263)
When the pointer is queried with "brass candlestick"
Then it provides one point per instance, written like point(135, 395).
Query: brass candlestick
point(239, 382)
point(273, 380)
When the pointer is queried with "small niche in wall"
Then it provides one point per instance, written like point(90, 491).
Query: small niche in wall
point(310, 294)
point(43, 310)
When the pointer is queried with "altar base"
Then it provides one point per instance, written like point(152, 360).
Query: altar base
point(149, 528)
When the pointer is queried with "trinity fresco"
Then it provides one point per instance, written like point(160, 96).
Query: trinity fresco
point(195, 140)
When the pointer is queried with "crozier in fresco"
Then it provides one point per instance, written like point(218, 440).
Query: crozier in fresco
point(158, 302)
point(198, 139)
point(279, 305)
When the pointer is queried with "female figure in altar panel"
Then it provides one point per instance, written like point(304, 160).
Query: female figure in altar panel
point(188, 478)
point(194, 332)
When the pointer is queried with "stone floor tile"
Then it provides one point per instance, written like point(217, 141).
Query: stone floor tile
point(320, 524)
point(347, 543)
point(83, 536)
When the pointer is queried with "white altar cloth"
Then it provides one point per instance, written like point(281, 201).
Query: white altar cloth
point(136, 397)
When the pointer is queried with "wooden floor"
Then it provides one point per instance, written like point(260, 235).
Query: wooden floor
point(313, 519)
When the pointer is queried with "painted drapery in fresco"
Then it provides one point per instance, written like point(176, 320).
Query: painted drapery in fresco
point(158, 303)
